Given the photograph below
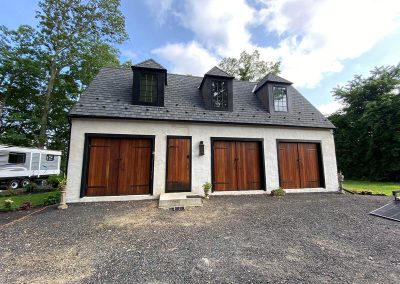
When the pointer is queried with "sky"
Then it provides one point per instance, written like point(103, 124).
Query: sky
point(321, 44)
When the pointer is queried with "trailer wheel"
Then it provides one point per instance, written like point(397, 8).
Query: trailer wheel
point(25, 182)
point(14, 184)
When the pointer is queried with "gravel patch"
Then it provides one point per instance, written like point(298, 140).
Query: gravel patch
point(310, 238)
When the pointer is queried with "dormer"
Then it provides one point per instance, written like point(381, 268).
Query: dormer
point(217, 90)
point(272, 91)
point(149, 80)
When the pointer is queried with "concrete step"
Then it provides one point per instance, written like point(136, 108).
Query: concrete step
point(179, 199)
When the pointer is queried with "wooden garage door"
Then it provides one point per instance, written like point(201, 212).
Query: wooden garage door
point(119, 166)
point(178, 164)
point(237, 166)
point(299, 165)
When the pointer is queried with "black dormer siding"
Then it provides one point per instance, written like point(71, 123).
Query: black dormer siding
point(216, 74)
point(264, 92)
point(208, 97)
point(153, 68)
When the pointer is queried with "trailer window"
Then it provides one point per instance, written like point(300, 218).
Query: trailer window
point(49, 157)
point(16, 158)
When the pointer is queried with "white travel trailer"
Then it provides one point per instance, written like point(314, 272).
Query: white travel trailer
point(20, 165)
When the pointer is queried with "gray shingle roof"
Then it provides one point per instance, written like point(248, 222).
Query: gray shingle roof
point(215, 71)
point(110, 96)
point(271, 78)
point(150, 63)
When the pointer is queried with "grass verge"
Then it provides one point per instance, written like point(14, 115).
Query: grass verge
point(372, 186)
point(37, 199)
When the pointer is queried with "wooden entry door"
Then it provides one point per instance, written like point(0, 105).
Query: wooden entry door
point(135, 166)
point(299, 165)
point(179, 168)
point(102, 178)
point(119, 166)
point(237, 165)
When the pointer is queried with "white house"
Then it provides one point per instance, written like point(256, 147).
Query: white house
point(140, 132)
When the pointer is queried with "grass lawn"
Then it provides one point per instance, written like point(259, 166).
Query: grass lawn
point(37, 199)
point(375, 187)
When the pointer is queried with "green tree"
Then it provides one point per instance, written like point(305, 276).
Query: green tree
point(68, 31)
point(368, 128)
point(20, 82)
point(249, 67)
point(43, 71)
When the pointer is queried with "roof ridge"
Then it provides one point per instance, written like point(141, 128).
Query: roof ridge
point(150, 63)
point(218, 72)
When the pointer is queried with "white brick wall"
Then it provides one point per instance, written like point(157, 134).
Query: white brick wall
point(201, 165)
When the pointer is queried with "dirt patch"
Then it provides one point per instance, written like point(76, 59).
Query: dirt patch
point(62, 266)
point(151, 215)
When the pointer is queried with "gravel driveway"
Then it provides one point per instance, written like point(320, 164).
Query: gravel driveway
point(301, 237)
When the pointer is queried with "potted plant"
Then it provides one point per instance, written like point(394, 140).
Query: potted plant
point(207, 188)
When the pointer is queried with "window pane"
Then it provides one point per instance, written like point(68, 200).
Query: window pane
point(219, 94)
point(16, 158)
point(148, 88)
point(280, 99)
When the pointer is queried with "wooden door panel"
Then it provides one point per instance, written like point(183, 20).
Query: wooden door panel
point(134, 167)
point(178, 165)
point(309, 165)
point(288, 165)
point(102, 176)
point(248, 169)
point(224, 166)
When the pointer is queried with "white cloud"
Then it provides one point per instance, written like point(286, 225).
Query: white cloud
point(315, 36)
point(329, 108)
point(222, 26)
point(159, 9)
point(187, 58)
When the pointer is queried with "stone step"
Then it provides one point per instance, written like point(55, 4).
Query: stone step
point(179, 199)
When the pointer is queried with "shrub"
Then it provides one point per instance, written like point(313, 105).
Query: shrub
point(278, 192)
point(55, 181)
point(9, 204)
point(53, 199)
point(32, 188)
point(11, 191)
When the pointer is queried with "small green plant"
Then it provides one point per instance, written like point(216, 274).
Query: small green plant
point(55, 181)
point(62, 184)
point(11, 191)
point(32, 188)
point(207, 186)
point(8, 204)
point(278, 192)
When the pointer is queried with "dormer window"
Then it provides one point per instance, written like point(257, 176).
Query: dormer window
point(280, 99)
point(272, 92)
point(216, 88)
point(148, 88)
point(149, 81)
point(219, 94)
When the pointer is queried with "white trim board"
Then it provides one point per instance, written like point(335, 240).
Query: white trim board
point(114, 198)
